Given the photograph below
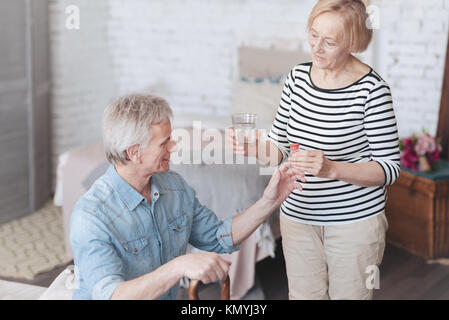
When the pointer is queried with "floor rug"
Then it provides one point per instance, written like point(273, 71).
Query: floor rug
point(33, 244)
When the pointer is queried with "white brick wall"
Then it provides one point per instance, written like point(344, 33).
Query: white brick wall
point(186, 51)
point(410, 56)
point(82, 77)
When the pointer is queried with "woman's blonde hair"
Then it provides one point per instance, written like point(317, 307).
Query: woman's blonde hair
point(354, 15)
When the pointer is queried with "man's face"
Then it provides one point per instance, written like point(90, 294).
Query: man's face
point(156, 156)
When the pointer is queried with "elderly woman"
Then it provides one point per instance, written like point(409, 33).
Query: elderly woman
point(340, 112)
point(130, 231)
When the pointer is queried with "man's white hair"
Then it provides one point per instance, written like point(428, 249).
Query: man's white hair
point(127, 120)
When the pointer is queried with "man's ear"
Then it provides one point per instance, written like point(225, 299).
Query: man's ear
point(133, 153)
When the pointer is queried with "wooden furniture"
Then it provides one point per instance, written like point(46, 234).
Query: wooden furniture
point(225, 289)
point(418, 214)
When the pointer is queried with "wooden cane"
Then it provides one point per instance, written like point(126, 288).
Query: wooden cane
point(225, 289)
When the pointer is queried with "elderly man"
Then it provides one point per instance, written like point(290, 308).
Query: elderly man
point(130, 231)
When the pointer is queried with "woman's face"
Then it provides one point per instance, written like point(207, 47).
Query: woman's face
point(325, 37)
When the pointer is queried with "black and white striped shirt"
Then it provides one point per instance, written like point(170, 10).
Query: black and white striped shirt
point(353, 124)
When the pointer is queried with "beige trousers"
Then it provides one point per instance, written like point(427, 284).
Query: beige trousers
point(333, 262)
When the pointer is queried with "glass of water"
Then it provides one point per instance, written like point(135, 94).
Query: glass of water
point(245, 127)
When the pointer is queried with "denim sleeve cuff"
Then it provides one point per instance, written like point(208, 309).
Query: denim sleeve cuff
point(104, 288)
point(224, 236)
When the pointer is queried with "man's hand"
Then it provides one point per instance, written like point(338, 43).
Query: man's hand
point(282, 183)
point(207, 267)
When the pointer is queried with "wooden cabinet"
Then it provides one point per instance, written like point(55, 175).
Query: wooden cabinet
point(418, 215)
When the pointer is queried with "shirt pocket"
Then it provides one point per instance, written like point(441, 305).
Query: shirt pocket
point(139, 257)
point(137, 246)
point(178, 230)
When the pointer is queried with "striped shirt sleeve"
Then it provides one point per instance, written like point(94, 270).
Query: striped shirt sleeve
point(381, 130)
point(278, 131)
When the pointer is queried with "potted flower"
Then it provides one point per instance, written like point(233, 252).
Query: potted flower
point(420, 152)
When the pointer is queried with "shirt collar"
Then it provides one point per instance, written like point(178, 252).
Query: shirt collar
point(127, 193)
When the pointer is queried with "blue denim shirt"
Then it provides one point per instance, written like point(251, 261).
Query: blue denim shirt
point(117, 236)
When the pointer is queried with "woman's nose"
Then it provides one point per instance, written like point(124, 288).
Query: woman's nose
point(319, 46)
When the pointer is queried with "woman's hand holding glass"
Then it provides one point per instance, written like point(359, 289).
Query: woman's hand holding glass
point(244, 148)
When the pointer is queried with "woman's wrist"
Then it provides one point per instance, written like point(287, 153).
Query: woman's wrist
point(333, 170)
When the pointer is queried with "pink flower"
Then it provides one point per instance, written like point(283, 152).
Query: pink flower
point(434, 156)
point(420, 152)
point(408, 143)
point(426, 143)
point(409, 159)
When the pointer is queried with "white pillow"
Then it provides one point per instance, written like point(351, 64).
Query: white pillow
point(62, 287)
point(259, 96)
point(262, 63)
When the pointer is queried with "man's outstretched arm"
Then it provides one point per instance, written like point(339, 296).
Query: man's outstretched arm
point(281, 184)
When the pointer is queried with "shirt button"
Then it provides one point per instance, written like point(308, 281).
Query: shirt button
point(135, 250)
point(179, 228)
